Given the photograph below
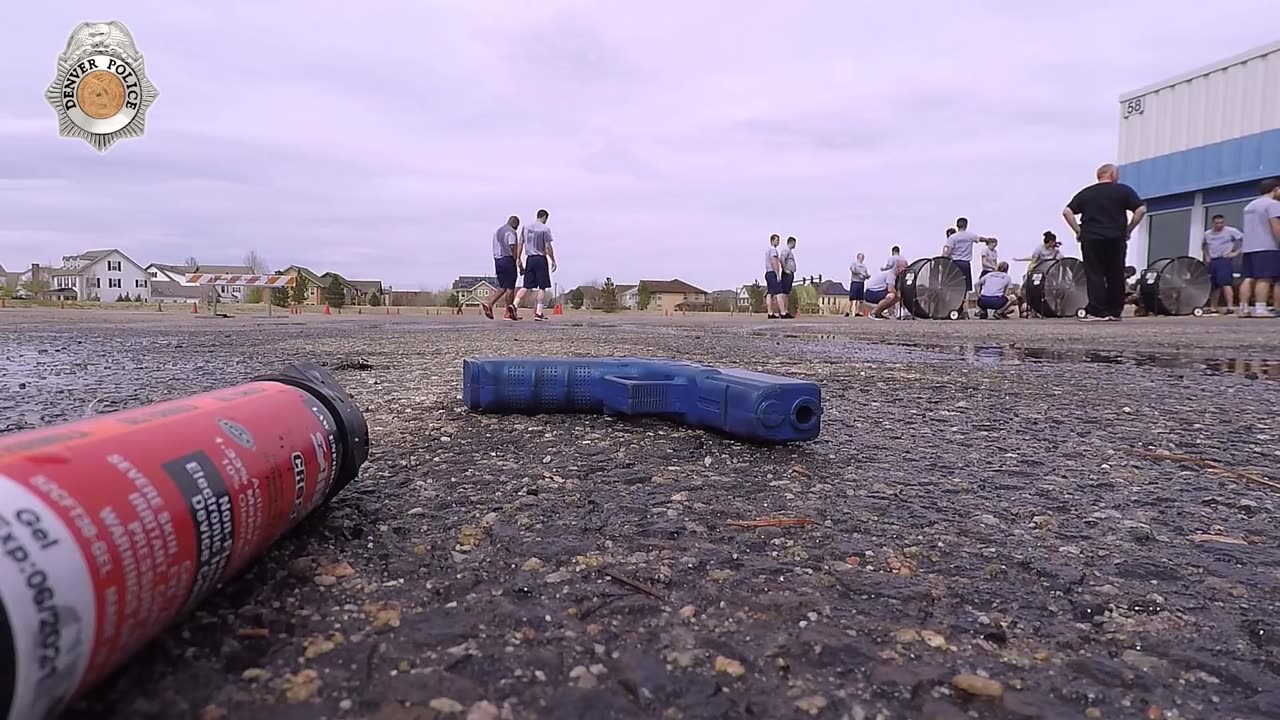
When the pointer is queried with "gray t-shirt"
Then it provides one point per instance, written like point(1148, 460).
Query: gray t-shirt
point(994, 283)
point(990, 258)
point(788, 260)
point(1044, 252)
point(961, 244)
point(858, 272)
point(1221, 242)
point(882, 280)
point(1257, 225)
point(536, 238)
point(769, 256)
point(504, 241)
point(891, 263)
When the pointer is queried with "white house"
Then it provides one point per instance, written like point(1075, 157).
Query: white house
point(103, 275)
point(178, 274)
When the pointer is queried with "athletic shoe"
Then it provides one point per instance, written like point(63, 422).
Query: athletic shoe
point(846, 314)
point(1112, 318)
point(1092, 318)
point(539, 316)
point(1264, 313)
point(511, 313)
point(773, 317)
point(1210, 312)
point(1244, 312)
point(788, 316)
point(487, 310)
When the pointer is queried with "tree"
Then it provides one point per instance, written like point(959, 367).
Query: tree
point(336, 294)
point(36, 285)
point(258, 265)
point(577, 298)
point(375, 299)
point(756, 295)
point(191, 262)
point(280, 295)
point(609, 296)
point(452, 301)
point(643, 296)
point(301, 289)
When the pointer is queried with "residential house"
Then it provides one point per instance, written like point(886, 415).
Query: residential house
point(832, 297)
point(411, 298)
point(364, 289)
point(349, 291)
point(474, 289)
point(667, 295)
point(723, 300)
point(168, 291)
point(179, 273)
point(628, 296)
point(315, 284)
point(104, 275)
point(8, 280)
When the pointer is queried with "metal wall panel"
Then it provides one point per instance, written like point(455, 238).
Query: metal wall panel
point(1235, 101)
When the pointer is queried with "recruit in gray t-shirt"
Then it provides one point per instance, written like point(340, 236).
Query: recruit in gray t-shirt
point(994, 283)
point(536, 238)
point(788, 260)
point(961, 244)
point(1042, 253)
point(769, 256)
point(1257, 225)
point(1221, 242)
point(504, 241)
point(858, 272)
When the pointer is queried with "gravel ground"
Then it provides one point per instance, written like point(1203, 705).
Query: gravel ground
point(993, 536)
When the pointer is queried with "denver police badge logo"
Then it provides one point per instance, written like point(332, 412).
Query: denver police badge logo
point(101, 92)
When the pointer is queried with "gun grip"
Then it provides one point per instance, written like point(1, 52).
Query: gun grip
point(624, 396)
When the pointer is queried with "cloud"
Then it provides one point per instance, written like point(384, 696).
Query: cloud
point(388, 140)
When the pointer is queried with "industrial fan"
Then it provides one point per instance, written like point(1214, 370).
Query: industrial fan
point(1175, 286)
point(933, 288)
point(1057, 288)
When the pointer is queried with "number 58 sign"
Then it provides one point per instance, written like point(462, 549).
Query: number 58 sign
point(1133, 107)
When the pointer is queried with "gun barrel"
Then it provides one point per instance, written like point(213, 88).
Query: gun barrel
point(747, 405)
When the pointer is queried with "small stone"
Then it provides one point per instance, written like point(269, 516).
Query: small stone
point(468, 537)
point(325, 580)
point(1126, 410)
point(1093, 713)
point(933, 639)
point(1108, 590)
point(977, 685)
point(813, 704)
point(730, 666)
point(484, 710)
point(986, 519)
point(317, 647)
point(687, 612)
point(683, 658)
point(254, 674)
point(212, 712)
point(533, 564)
point(1042, 521)
point(559, 576)
point(301, 687)
point(680, 497)
point(1142, 661)
point(489, 520)
point(346, 705)
point(906, 635)
point(584, 677)
point(720, 575)
point(415, 512)
point(339, 569)
point(302, 567)
point(446, 705)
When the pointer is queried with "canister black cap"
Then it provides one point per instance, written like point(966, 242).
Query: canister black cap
point(352, 430)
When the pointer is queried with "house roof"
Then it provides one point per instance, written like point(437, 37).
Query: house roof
point(189, 269)
point(831, 287)
point(724, 293)
point(670, 286)
point(466, 282)
point(305, 272)
point(91, 256)
point(171, 289)
point(623, 289)
point(366, 286)
point(328, 277)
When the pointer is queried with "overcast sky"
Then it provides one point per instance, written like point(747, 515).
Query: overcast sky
point(389, 139)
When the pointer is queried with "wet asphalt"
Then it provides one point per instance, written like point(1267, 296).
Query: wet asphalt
point(1009, 519)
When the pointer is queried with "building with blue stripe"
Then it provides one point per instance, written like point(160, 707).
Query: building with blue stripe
point(1197, 145)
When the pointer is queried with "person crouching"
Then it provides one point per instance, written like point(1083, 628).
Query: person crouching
point(993, 293)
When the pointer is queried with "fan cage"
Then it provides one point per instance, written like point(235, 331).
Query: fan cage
point(932, 287)
point(1174, 286)
point(1057, 288)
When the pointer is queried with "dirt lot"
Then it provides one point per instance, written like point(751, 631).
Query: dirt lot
point(1073, 518)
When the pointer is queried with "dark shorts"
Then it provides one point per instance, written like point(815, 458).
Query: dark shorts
point(788, 279)
point(992, 302)
point(857, 290)
point(505, 269)
point(1220, 271)
point(537, 273)
point(967, 269)
point(875, 296)
point(1260, 265)
point(771, 284)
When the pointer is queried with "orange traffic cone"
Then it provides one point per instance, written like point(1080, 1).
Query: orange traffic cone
point(327, 311)
point(559, 310)
point(159, 307)
point(195, 308)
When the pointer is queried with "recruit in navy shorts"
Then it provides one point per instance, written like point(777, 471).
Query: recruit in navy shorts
point(505, 269)
point(875, 296)
point(537, 273)
point(857, 290)
point(771, 284)
point(1261, 265)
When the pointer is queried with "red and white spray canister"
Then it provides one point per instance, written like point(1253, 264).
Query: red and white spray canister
point(114, 526)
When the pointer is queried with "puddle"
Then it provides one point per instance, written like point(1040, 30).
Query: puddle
point(1249, 368)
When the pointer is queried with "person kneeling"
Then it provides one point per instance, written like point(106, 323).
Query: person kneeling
point(880, 290)
point(993, 293)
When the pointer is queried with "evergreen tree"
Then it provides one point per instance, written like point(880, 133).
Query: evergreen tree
point(452, 301)
point(609, 296)
point(335, 295)
point(375, 299)
point(301, 290)
point(643, 297)
point(756, 293)
point(577, 298)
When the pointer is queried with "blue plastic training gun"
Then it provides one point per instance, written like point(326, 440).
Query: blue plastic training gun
point(746, 405)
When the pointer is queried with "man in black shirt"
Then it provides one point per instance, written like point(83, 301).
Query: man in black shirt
point(1103, 232)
